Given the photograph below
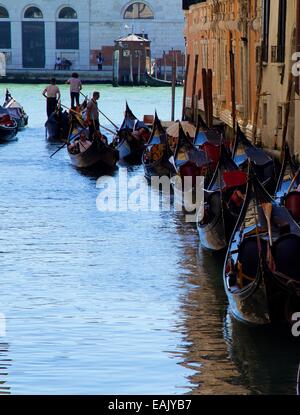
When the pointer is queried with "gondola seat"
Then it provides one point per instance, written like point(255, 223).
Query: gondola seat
point(292, 203)
point(286, 252)
point(249, 259)
point(212, 151)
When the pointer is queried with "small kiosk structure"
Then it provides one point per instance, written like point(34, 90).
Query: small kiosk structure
point(132, 60)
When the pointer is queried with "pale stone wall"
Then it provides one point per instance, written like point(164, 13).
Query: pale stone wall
point(275, 86)
point(100, 23)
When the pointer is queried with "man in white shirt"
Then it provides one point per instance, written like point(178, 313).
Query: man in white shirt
point(57, 63)
point(75, 88)
point(52, 93)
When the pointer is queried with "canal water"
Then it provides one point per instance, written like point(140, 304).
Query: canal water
point(114, 303)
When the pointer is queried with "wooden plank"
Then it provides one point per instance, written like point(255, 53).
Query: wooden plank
point(232, 82)
point(186, 78)
point(210, 98)
point(205, 94)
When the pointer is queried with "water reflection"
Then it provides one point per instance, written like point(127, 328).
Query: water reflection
point(226, 356)
point(5, 365)
point(206, 351)
point(266, 357)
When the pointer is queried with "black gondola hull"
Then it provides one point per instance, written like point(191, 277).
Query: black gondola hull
point(130, 152)
point(250, 306)
point(158, 169)
point(8, 133)
point(97, 157)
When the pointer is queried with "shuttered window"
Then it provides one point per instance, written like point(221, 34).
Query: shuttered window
point(67, 35)
point(5, 35)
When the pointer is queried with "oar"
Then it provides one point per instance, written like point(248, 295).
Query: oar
point(293, 181)
point(60, 148)
point(267, 208)
point(64, 145)
point(75, 112)
point(100, 112)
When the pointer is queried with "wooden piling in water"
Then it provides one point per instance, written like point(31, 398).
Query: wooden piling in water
point(174, 71)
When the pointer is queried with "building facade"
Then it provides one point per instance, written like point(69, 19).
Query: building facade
point(249, 46)
point(33, 34)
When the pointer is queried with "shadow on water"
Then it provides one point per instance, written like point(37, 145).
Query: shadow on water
point(267, 357)
point(228, 357)
point(5, 363)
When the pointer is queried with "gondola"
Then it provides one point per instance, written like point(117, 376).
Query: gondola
point(223, 202)
point(262, 272)
point(8, 127)
point(209, 140)
point(262, 163)
point(16, 111)
point(157, 82)
point(190, 164)
point(57, 126)
point(131, 138)
point(156, 154)
point(98, 156)
point(287, 190)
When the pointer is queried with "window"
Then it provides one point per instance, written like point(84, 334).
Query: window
point(265, 113)
point(266, 28)
point(67, 13)
point(279, 117)
point(67, 33)
point(138, 10)
point(5, 35)
point(281, 31)
point(5, 32)
point(33, 13)
point(3, 13)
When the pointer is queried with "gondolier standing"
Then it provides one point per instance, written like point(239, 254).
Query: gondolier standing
point(52, 93)
point(75, 88)
point(92, 115)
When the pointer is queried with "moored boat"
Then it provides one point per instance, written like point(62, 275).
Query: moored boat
point(91, 155)
point(223, 202)
point(8, 127)
point(157, 153)
point(288, 186)
point(190, 165)
point(152, 81)
point(262, 271)
point(58, 126)
point(131, 138)
point(209, 140)
point(16, 111)
point(262, 163)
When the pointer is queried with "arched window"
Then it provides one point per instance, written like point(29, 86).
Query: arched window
point(138, 10)
point(33, 13)
point(3, 13)
point(5, 30)
point(67, 13)
point(67, 32)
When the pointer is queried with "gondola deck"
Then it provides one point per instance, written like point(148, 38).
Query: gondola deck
point(157, 153)
point(98, 156)
point(216, 227)
point(261, 281)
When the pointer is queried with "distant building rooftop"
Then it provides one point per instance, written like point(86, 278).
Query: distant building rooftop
point(132, 38)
